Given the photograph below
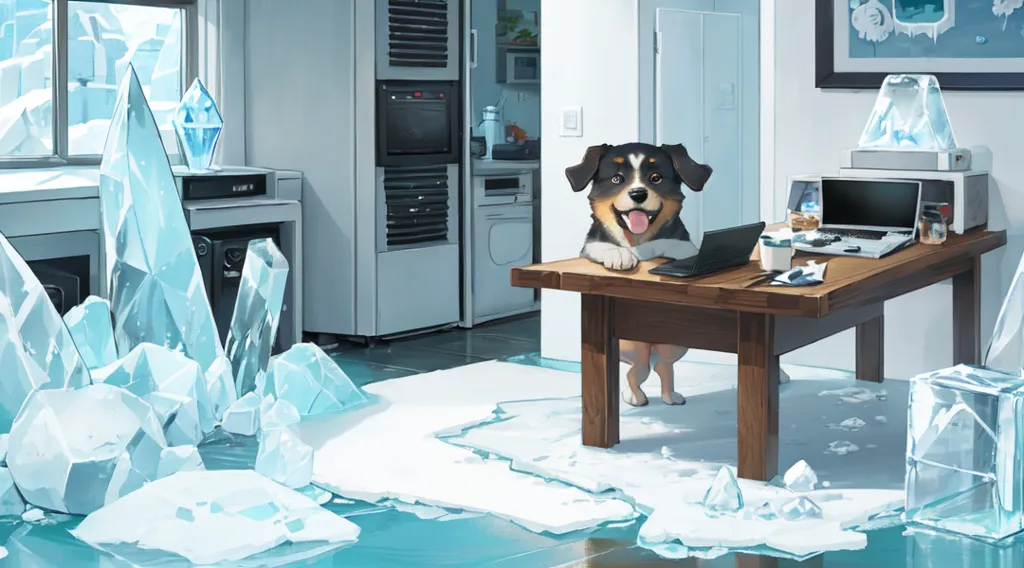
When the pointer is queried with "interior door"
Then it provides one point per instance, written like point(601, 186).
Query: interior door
point(703, 70)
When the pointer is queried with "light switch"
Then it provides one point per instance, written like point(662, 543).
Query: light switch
point(572, 122)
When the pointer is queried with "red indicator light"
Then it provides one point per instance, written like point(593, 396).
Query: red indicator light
point(440, 95)
point(417, 94)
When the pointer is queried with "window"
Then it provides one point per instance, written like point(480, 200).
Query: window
point(65, 122)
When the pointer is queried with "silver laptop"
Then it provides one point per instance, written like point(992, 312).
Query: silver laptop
point(864, 217)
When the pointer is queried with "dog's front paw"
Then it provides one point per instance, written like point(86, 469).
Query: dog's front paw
point(673, 398)
point(619, 258)
point(631, 398)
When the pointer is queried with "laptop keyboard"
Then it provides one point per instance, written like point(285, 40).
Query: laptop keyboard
point(853, 234)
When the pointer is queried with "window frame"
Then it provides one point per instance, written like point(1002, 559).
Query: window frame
point(59, 87)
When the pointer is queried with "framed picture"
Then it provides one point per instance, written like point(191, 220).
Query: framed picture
point(969, 45)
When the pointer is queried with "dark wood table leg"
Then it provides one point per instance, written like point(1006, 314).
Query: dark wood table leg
point(967, 315)
point(600, 369)
point(757, 395)
point(751, 561)
point(871, 350)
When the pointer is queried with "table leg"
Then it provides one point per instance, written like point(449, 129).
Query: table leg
point(757, 395)
point(871, 350)
point(600, 369)
point(967, 315)
point(751, 561)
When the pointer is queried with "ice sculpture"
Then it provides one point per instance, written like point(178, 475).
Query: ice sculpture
point(909, 114)
point(214, 517)
point(283, 457)
point(156, 288)
point(173, 384)
point(73, 451)
point(724, 495)
point(92, 328)
point(220, 385)
point(243, 417)
point(965, 452)
point(309, 379)
point(800, 477)
point(1006, 348)
point(257, 313)
point(36, 348)
point(197, 124)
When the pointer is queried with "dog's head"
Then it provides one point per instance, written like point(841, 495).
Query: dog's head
point(637, 188)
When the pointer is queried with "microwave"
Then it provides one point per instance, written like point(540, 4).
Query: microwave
point(417, 123)
point(521, 67)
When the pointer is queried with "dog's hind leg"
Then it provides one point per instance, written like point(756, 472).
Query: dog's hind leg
point(638, 356)
point(667, 355)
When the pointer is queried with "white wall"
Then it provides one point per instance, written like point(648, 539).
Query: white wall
point(590, 55)
point(811, 129)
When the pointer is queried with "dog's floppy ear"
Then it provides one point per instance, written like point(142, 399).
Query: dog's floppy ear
point(694, 175)
point(583, 173)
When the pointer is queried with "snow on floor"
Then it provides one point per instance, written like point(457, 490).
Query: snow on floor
point(852, 434)
point(388, 450)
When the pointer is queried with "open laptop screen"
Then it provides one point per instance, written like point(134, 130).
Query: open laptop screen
point(870, 203)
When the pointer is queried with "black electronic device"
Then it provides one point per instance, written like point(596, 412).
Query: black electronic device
point(719, 250)
point(221, 186)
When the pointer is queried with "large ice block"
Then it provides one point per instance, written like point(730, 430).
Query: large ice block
point(309, 379)
point(197, 124)
point(92, 328)
point(965, 452)
point(909, 114)
point(214, 517)
point(36, 348)
point(156, 288)
point(173, 384)
point(73, 451)
point(1006, 348)
point(257, 313)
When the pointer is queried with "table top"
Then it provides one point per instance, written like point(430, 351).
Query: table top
point(849, 281)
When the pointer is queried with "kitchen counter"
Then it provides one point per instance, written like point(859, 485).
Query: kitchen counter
point(488, 167)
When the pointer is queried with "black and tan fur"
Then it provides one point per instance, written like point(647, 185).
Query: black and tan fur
point(628, 181)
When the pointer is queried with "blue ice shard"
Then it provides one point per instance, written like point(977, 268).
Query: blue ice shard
point(283, 457)
point(311, 381)
point(965, 452)
point(257, 313)
point(92, 327)
point(1006, 348)
point(36, 348)
point(724, 495)
point(197, 124)
point(909, 114)
point(156, 288)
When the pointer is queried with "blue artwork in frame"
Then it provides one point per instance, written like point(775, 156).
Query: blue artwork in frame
point(967, 44)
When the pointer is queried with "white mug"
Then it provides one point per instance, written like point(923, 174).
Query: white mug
point(775, 258)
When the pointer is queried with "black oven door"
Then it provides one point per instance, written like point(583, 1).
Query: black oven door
point(417, 123)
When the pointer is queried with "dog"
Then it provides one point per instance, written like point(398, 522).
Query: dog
point(636, 198)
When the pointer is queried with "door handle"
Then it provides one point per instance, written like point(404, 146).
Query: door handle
point(473, 49)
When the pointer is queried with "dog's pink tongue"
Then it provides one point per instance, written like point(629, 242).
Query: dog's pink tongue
point(637, 222)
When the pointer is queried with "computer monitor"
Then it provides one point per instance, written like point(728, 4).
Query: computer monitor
point(872, 204)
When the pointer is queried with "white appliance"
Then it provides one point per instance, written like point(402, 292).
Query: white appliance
point(502, 237)
point(966, 191)
point(519, 66)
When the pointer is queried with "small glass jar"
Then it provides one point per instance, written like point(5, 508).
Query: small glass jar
point(932, 228)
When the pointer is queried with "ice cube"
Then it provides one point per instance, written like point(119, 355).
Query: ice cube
point(92, 328)
point(152, 371)
point(309, 379)
point(11, 503)
point(73, 451)
point(278, 414)
point(237, 514)
point(800, 477)
point(767, 512)
point(724, 495)
point(197, 124)
point(965, 452)
point(243, 417)
point(909, 113)
point(841, 447)
point(220, 385)
point(155, 284)
point(800, 509)
point(257, 313)
point(179, 458)
point(284, 458)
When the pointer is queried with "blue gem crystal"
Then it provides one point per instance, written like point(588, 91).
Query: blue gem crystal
point(156, 288)
point(36, 349)
point(197, 124)
point(257, 313)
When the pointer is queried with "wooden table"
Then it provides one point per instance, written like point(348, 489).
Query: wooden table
point(759, 323)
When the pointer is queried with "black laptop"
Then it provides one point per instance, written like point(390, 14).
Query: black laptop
point(722, 249)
